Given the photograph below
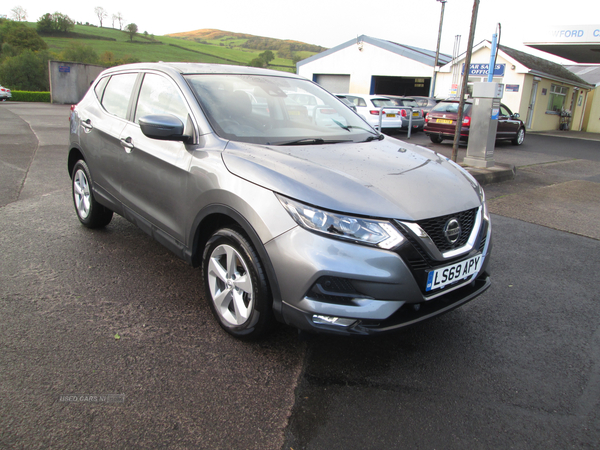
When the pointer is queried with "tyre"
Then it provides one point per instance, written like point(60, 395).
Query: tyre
point(520, 137)
point(90, 213)
point(435, 138)
point(236, 286)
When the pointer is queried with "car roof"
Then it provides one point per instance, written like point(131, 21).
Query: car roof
point(198, 68)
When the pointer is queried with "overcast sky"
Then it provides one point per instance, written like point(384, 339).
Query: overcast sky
point(330, 23)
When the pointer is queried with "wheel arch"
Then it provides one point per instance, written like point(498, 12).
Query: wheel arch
point(75, 154)
point(215, 217)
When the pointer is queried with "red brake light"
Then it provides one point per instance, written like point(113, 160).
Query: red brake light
point(467, 121)
point(327, 111)
point(375, 112)
point(403, 112)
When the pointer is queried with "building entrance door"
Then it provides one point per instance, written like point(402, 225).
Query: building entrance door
point(534, 89)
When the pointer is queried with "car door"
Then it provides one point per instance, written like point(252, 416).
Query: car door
point(155, 172)
point(102, 120)
point(507, 126)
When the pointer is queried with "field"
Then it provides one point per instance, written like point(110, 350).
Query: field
point(207, 46)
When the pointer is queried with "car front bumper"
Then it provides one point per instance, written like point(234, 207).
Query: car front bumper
point(332, 286)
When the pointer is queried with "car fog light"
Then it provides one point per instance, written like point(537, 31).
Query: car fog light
point(331, 320)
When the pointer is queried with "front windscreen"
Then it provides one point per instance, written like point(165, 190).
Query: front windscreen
point(275, 110)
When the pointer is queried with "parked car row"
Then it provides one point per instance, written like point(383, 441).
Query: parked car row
point(5, 93)
point(392, 112)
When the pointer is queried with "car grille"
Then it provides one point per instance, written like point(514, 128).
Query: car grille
point(418, 259)
point(435, 229)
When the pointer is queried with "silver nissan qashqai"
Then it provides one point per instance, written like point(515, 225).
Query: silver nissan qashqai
point(295, 208)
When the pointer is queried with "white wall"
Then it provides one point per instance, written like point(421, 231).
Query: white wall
point(361, 65)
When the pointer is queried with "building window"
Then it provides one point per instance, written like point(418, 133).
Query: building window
point(558, 94)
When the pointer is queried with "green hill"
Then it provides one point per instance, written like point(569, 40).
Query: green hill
point(206, 46)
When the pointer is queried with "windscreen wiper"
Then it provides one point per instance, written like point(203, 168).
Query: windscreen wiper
point(379, 137)
point(310, 141)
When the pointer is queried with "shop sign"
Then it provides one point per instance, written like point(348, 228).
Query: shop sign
point(483, 69)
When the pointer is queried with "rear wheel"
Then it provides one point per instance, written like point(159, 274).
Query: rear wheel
point(236, 286)
point(520, 137)
point(90, 213)
point(435, 138)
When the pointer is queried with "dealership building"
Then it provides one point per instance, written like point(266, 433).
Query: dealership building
point(548, 96)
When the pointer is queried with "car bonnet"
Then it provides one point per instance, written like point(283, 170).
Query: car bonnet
point(388, 178)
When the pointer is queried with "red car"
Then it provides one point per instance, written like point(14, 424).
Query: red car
point(440, 123)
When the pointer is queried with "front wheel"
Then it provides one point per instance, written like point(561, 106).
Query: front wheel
point(520, 137)
point(236, 285)
point(435, 138)
point(90, 213)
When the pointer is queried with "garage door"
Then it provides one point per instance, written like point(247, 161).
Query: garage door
point(336, 84)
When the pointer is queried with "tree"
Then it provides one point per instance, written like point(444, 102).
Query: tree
point(132, 29)
point(120, 19)
point(267, 56)
point(63, 22)
point(100, 13)
point(26, 72)
point(21, 37)
point(57, 22)
point(263, 59)
point(19, 13)
point(45, 24)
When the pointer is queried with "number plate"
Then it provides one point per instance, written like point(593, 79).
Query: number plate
point(415, 114)
point(390, 115)
point(439, 278)
point(443, 121)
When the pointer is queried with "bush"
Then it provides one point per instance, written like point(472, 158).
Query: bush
point(27, 71)
point(28, 96)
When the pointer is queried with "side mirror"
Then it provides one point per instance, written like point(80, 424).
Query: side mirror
point(163, 127)
point(516, 115)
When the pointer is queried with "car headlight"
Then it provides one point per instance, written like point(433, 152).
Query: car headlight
point(356, 229)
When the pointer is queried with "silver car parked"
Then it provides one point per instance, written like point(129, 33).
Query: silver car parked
point(328, 225)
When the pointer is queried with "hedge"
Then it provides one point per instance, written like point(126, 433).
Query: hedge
point(27, 96)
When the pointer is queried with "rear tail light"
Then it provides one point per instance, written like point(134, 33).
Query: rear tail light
point(467, 121)
point(374, 112)
point(327, 111)
point(403, 112)
point(426, 119)
point(72, 110)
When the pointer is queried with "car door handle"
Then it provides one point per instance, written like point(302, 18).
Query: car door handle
point(127, 144)
point(87, 124)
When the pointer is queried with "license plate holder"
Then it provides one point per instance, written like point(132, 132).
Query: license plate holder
point(443, 121)
point(438, 278)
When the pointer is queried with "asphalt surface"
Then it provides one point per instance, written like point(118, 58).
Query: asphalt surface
point(107, 341)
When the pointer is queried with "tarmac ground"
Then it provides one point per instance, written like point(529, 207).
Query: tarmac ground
point(107, 341)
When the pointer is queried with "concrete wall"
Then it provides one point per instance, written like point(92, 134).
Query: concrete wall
point(70, 81)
